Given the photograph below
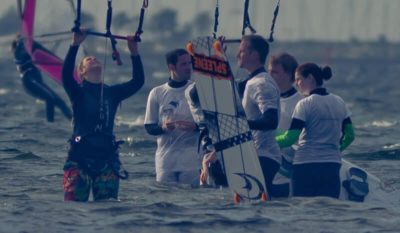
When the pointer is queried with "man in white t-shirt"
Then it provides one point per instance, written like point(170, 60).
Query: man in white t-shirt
point(260, 100)
point(282, 68)
point(169, 118)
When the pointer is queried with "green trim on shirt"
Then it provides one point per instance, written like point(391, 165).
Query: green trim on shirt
point(348, 136)
point(289, 138)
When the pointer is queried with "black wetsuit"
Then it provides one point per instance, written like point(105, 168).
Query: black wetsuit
point(93, 119)
point(33, 83)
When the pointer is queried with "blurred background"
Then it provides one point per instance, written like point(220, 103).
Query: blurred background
point(317, 20)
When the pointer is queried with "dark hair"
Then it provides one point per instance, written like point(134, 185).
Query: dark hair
point(287, 61)
point(172, 56)
point(259, 44)
point(319, 74)
point(17, 41)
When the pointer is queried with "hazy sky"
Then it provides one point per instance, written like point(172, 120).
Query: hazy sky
point(298, 19)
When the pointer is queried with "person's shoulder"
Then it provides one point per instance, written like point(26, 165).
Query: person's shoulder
point(158, 89)
point(338, 98)
point(264, 80)
point(190, 87)
point(298, 96)
point(306, 100)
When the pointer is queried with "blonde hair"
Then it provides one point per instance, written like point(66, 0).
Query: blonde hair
point(80, 69)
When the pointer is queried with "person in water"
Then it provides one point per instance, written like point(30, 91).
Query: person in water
point(260, 100)
point(168, 117)
point(282, 68)
point(93, 160)
point(321, 123)
point(33, 83)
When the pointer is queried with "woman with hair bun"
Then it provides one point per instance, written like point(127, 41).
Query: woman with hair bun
point(321, 123)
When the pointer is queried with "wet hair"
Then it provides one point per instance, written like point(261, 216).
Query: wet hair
point(319, 73)
point(259, 44)
point(172, 56)
point(287, 61)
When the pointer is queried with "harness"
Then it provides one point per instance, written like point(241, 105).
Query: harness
point(95, 152)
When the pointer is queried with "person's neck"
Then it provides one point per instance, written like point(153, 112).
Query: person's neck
point(254, 68)
point(176, 83)
point(93, 77)
point(285, 87)
point(93, 81)
point(286, 94)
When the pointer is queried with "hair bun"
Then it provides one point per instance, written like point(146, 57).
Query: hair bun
point(326, 72)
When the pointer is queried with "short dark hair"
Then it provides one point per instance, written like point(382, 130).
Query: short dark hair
point(259, 44)
point(172, 56)
point(319, 73)
point(17, 41)
point(287, 61)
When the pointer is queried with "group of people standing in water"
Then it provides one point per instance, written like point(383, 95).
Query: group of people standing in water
point(298, 133)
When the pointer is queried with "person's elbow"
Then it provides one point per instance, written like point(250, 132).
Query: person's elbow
point(140, 82)
point(274, 121)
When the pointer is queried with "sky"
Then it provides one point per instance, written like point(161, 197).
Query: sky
point(327, 20)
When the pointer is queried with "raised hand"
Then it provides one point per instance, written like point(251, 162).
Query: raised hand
point(79, 37)
point(207, 159)
point(132, 45)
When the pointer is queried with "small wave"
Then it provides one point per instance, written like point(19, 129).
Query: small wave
point(163, 205)
point(380, 124)
point(4, 91)
point(139, 121)
point(27, 156)
point(138, 142)
point(377, 155)
point(10, 150)
point(393, 146)
point(27, 140)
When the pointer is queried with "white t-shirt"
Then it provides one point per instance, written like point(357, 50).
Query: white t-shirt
point(176, 150)
point(195, 109)
point(287, 107)
point(262, 93)
point(323, 116)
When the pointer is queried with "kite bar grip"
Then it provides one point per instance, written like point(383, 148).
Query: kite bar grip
point(101, 34)
point(232, 41)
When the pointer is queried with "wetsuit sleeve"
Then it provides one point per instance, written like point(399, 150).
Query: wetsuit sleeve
point(151, 118)
point(154, 129)
point(193, 101)
point(348, 134)
point(266, 96)
point(69, 83)
point(291, 135)
point(268, 121)
point(125, 90)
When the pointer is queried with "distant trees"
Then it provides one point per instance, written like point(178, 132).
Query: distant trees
point(203, 24)
point(164, 23)
point(121, 21)
point(9, 21)
point(165, 26)
point(87, 20)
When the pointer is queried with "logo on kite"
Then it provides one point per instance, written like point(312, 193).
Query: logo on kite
point(252, 186)
point(211, 66)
